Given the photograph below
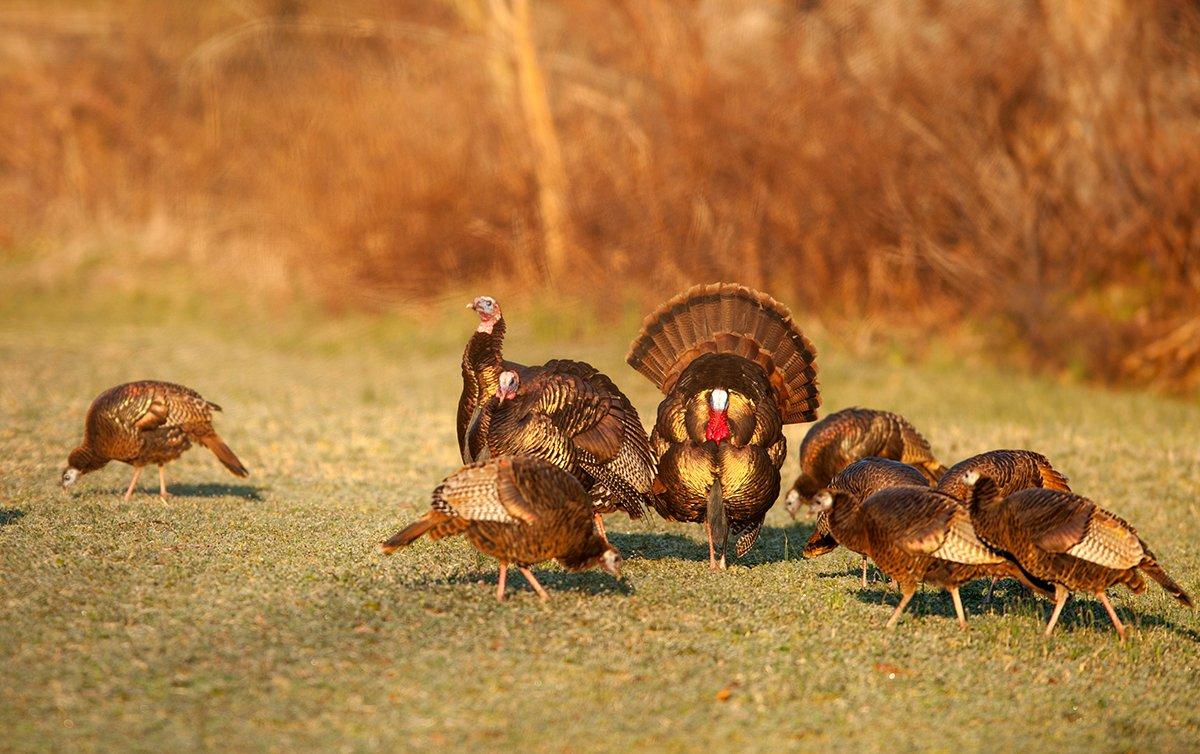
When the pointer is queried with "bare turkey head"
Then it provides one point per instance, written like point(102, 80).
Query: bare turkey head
point(822, 502)
point(488, 311)
point(611, 561)
point(510, 382)
point(69, 476)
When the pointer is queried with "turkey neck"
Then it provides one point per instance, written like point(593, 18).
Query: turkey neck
point(483, 356)
point(984, 513)
point(586, 556)
point(85, 459)
point(843, 519)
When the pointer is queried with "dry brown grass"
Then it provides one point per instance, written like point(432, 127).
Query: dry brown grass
point(1033, 166)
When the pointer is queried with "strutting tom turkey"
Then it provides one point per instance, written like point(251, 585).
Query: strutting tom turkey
point(734, 368)
point(844, 437)
point(142, 423)
point(521, 511)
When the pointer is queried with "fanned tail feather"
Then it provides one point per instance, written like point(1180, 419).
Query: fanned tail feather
point(730, 318)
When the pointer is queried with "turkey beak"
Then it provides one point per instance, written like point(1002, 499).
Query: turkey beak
point(471, 305)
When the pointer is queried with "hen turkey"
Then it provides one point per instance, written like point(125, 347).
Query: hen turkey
point(521, 511)
point(734, 368)
point(1010, 470)
point(862, 479)
point(482, 364)
point(1067, 540)
point(915, 535)
point(843, 437)
point(572, 415)
point(147, 422)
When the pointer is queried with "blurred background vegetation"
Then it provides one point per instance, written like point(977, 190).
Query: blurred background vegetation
point(1013, 178)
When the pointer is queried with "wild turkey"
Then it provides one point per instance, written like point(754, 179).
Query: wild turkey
point(521, 511)
point(1010, 470)
point(842, 438)
point(1067, 540)
point(572, 415)
point(862, 479)
point(917, 534)
point(147, 422)
point(734, 369)
point(482, 364)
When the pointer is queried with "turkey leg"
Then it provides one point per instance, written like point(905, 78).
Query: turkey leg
point(906, 595)
point(533, 582)
point(1060, 598)
point(501, 582)
point(137, 472)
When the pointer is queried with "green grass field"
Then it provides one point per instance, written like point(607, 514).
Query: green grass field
point(258, 614)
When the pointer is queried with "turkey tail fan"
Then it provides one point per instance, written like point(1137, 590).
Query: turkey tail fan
point(408, 534)
point(1152, 569)
point(730, 318)
point(224, 454)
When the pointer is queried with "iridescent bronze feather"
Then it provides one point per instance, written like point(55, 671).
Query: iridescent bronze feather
point(521, 511)
point(844, 437)
point(482, 364)
point(147, 422)
point(1067, 540)
point(572, 415)
point(734, 368)
point(1010, 470)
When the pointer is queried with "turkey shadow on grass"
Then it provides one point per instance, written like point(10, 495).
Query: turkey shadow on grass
point(10, 515)
point(1087, 614)
point(216, 489)
point(554, 581)
point(658, 546)
point(775, 544)
point(1009, 598)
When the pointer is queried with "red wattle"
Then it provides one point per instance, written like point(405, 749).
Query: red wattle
point(717, 428)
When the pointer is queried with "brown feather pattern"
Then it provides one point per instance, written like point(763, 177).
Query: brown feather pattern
point(1067, 539)
point(731, 319)
point(574, 416)
point(862, 479)
point(149, 422)
point(1010, 470)
point(728, 337)
point(917, 534)
point(846, 436)
point(518, 509)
